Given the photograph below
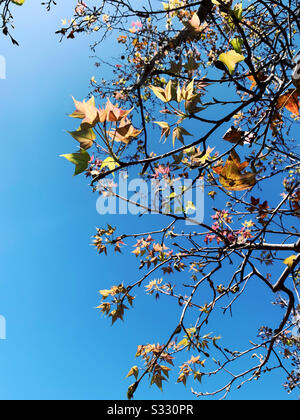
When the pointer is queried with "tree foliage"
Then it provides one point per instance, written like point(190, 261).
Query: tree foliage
point(202, 90)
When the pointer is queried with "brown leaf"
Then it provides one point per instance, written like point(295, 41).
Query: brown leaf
point(234, 135)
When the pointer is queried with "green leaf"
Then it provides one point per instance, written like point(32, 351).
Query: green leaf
point(237, 44)
point(80, 160)
point(85, 136)
point(231, 59)
point(238, 11)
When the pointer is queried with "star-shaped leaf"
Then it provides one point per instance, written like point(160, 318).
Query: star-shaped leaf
point(86, 111)
point(231, 59)
point(231, 175)
point(80, 159)
point(85, 136)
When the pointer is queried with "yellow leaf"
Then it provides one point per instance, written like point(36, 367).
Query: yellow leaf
point(231, 176)
point(159, 92)
point(110, 163)
point(290, 261)
point(231, 59)
point(134, 371)
point(168, 91)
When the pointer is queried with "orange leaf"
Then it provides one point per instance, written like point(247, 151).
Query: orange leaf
point(260, 76)
point(290, 101)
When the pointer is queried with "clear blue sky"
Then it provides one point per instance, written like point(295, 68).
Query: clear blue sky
point(58, 346)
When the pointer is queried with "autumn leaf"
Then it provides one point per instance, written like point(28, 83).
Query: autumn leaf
point(182, 378)
point(112, 113)
point(198, 157)
point(85, 136)
point(134, 371)
point(110, 163)
point(18, 2)
point(80, 160)
point(290, 261)
point(260, 76)
point(178, 133)
point(198, 376)
point(231, 59)
point(157, 380)
point(159, 92)
point(168, 91)
point(131, 390)
point(166, 131)
point(125, 132)
point(164, 95)
point(234, 135)
point(86, 111)
point(290, 101)
point(231, 176)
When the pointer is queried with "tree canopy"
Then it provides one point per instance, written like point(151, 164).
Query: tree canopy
point(206, 91)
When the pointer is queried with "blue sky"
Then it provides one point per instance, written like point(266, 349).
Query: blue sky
point(58, 346)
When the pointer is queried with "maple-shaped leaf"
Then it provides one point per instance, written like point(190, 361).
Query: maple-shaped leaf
point(157, 380)
point(198, 157)
point(134, 371)
point(80, 159)
point(125, 132)
point(165, 95)
point(166, 130)
point(182, 378)
point(112, 113)
point(179, 133)
point(86, 111)
point(198, 376)
point(231, 59)
point(231, 175)
point(234, 135)
point(290, 101)
point(110, 163)
point(85, 136)
point(165, 370)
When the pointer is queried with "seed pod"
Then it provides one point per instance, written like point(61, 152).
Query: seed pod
point(296, 75)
